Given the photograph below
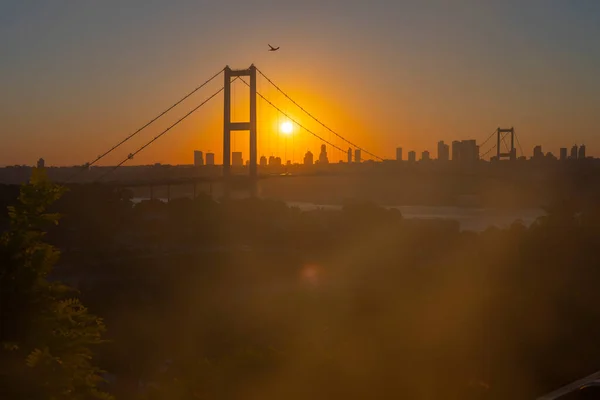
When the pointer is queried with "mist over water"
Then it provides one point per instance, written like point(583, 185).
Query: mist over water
point(469, 218)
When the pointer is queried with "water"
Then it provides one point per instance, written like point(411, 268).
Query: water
point(470, 219)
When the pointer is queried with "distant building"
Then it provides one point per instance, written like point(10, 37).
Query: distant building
point(349, 156)
point(465, 151)
point(412, 156)
point(563, 153)
point(323, 156)
point(581, 154)
point(425, 156)
point(271, 160)
point(574, 152)
point(263, 161)
point(538, 153)
point(357, 157)
point(308, 158)
point(398, 153)
point(469, 151)
point(41, 163)
point(456, 146)
point(210, 158)
point(443, 151)
point(278, 161)
point(198, 158)
point(236, 159)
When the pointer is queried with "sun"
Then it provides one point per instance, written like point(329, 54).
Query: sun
point(286, 128)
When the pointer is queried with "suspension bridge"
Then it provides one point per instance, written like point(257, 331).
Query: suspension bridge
point(324, 135)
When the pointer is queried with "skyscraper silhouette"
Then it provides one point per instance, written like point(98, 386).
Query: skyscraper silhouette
point(412, 156)
point(198, 158)
point(308, 158)
point(236, 159)
point(210, 158)
point(323, 156)
point(443, 151)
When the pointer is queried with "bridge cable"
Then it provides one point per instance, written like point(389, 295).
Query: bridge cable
point(292, 119)
point(487, 152)
point(131, 155)
point(316, 119)
point(519, 143)
point(146, 125)
point(489, 137)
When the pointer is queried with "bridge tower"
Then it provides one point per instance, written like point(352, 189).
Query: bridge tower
point(229, 126)
point(501, 135)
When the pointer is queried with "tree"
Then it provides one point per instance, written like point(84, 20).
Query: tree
point(46, 333)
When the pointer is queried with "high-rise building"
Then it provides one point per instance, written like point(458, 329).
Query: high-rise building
point(210, 158)
point(581, 154)
point(323, 156)
point(271, 160)
point(412, 156)
point(41, 163)
point(278, 161)
point(574, 152)
point(308, 158)
point(425, 156)
point(456, 150)
point(198, 158)
point(563, 153)
point(443, 151)
point(537, 152)
point(398, 153)
point(469, 151)
point(236, 159)
point(349, 156)
point(465, 151)
point(357, 157)
point(263, 161)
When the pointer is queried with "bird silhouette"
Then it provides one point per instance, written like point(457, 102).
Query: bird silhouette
point(273, 48)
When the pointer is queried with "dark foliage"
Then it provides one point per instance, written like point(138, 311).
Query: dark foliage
point(253, 299)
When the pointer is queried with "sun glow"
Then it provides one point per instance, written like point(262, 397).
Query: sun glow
point(286, 128)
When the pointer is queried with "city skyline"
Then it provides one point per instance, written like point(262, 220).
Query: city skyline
point(443, 153)
point(81, 88)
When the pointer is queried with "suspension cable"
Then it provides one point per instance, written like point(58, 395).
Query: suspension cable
point(131, 155)
point(487, 152)
point(489, 137)
point(292, 119)
point(316, 119)
point(87, 165)
point(519, 143)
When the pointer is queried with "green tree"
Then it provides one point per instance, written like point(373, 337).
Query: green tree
point(46, 334)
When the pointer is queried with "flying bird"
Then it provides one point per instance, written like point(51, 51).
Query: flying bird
point(273, 48)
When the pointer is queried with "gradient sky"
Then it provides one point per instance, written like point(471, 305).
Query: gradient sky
point(77, 76)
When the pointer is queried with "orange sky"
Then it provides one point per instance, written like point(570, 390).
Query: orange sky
point(78, 79)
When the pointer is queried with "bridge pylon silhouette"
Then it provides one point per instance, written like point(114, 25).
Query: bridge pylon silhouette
point(230, 126)
point(501, 134)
